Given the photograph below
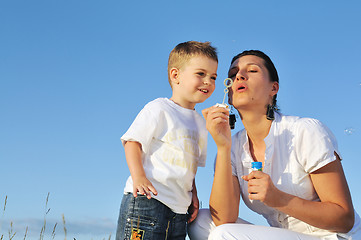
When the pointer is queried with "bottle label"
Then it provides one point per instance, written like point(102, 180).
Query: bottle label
point(257, 166)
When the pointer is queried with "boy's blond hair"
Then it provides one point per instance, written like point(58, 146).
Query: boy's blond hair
point(183, 52)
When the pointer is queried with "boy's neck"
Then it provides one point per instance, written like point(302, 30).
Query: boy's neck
point(182, 104)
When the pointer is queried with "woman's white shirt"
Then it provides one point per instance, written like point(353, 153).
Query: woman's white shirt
point(295, 147)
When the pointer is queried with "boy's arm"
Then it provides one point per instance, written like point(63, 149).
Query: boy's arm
point(194, 207)
point(133, 155)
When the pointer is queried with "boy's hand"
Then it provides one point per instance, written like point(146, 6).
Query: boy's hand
point(193, 208)
point(143, 186)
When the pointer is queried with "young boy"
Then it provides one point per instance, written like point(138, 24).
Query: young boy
point(164, 146)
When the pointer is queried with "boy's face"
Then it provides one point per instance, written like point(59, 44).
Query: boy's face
point(194, 82)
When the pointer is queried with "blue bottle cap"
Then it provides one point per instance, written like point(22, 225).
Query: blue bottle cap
point(257, 165)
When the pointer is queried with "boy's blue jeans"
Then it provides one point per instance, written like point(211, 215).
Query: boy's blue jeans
point(148, 219)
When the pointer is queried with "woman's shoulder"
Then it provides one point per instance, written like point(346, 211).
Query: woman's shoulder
point(239, 134)
point(298, 122)
point(239, 139)
point(304, 125)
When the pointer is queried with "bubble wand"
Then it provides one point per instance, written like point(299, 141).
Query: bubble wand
point(228, 82)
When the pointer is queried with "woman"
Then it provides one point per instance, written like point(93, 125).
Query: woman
point(302, 190)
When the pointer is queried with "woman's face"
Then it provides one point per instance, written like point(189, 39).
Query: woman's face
point(252, 88)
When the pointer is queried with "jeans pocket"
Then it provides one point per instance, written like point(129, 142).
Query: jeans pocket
point(140, 227)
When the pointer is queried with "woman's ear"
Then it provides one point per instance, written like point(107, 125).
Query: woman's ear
point(275, 88)
point(174, 75)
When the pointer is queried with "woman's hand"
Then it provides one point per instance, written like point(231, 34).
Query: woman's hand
point(334, 211)
point(261, 187)
point(217, 123)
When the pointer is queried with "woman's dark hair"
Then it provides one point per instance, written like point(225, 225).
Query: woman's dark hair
point(268, 64)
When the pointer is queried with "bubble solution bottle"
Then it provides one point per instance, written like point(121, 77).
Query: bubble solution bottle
point(257, 166)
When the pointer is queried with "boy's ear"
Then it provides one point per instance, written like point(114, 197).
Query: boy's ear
point(174, 75)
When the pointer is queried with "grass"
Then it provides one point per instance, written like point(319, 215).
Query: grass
point(12, 233)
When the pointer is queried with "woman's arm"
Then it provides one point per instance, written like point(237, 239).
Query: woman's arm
point(133, 155)
point(335, 211)
point(225, 194)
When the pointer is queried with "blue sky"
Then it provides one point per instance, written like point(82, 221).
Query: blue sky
point(74, 74)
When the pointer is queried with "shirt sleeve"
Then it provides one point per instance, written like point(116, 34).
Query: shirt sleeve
point(315, 144)
point(142, 129)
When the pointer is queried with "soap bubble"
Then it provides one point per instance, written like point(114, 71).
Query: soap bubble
point(349, 130)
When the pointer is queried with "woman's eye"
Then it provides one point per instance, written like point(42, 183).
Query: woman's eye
point(252, 70)
point(201, 74)
point(214, 78)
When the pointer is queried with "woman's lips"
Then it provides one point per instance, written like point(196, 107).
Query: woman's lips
point(241, 87)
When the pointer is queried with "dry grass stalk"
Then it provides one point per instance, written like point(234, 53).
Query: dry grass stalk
point(42, 232)
point(47, 210)
point(64, 227)
point(53, 233)
point(6, 199)
point(2, 216)
point(26, 232)
point(11, 231)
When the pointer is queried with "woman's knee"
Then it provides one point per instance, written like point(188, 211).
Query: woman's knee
point(201, 227)
point(220, 232)
point(231, 231)
point(237, 231)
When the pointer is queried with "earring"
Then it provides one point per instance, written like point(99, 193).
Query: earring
point(232, 118)
point(270, 113)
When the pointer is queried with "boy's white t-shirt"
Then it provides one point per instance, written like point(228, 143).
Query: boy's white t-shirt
point(174, 144)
